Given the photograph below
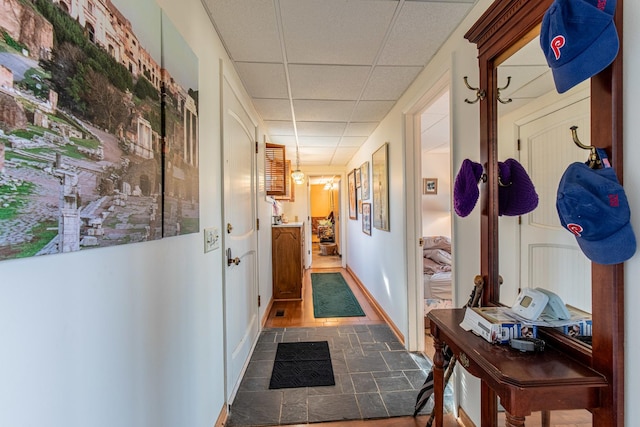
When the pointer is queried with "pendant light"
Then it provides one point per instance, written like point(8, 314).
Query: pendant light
point(297, 175)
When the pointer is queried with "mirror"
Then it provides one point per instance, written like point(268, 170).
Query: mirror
point(534, 123)
point(504, 28)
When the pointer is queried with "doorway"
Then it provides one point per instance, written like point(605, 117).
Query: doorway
point(428, 186)
point(324, 213)
point(435, 145)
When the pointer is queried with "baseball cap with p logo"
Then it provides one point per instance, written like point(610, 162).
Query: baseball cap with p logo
point(593, 206)
point(579, 39)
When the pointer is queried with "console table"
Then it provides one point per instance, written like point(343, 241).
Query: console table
point(524, 382)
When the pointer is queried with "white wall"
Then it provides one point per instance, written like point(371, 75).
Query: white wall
point(632, 181)
point(132, 335)
point(436, 208)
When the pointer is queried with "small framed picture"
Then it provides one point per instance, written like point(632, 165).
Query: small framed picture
point(366, 218)
point(364, 180)
point(430, 186)
point(358, 177)
point(353, 200)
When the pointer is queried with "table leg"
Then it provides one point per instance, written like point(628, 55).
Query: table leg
point(438, 381)
point(513, 421)
point(546, 418)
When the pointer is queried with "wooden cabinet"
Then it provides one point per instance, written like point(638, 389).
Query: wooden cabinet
point(287, 251)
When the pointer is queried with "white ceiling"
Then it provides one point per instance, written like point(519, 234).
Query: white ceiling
point(323, 73)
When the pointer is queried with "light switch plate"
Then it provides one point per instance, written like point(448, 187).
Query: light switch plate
point(211, 239)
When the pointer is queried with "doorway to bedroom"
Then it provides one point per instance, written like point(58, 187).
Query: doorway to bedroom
point(436, 196)
point(324, 208)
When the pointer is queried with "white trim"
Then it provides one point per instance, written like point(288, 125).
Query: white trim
point(413, 228)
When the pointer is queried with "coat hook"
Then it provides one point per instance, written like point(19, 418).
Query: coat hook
point(594, 160)
point(480, 94)
point(503, 88)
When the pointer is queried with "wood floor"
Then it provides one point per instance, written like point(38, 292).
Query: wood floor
point(300, 314)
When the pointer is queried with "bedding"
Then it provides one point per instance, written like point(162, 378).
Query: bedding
point(437, 273)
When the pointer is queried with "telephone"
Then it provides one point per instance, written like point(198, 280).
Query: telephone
point(533, 303)
point(555, 309)
point(530, 303)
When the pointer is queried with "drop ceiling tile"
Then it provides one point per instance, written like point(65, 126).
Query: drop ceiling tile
point(320, 128)
point(388, 83)
point(437, 135)
point(241, 22)
point(436, 111)
point(314, 151)
point(360, 129)
point(289, 141)
point(318, 141)
point(315, 156)
point(352, 141)
point(428, 119)
point(528, 81)
point(341, 82)
point(273, 109)
point(343, 155)
point(324, 160)
point(420, 30)
point(263, 80)
point(279, 127)
point(368, 111)
point(334, 31)
point(325, 111)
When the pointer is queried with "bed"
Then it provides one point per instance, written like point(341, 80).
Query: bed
point(436, 273)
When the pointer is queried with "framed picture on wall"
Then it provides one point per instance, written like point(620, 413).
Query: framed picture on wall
point(380, 187)
point(353, 200)
point(364, 180)
point(430, 186)
point(359, 199)
point(366, 218)
point(358, 178)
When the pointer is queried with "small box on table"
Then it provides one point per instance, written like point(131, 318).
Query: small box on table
point(495, 325)
point(580, 323)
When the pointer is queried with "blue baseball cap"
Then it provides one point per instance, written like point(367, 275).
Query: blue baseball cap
point(579, 39)
point(592, 205)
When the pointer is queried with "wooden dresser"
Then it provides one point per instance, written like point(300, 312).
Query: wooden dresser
point(287, 252)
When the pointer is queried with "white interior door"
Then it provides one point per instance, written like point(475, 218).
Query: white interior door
point(549, 254)
point(240, 242)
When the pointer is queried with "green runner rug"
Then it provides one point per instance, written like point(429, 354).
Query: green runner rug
point(332, 296)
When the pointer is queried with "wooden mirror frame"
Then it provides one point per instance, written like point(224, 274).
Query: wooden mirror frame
point(498, 33)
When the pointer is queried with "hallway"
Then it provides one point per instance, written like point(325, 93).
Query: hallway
point(319, 260)
point(288, 315)
point(375, 377)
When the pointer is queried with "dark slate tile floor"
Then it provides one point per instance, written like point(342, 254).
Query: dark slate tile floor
point(375, 378)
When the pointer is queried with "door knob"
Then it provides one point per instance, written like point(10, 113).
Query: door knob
point(229, 228)
point(231, 260)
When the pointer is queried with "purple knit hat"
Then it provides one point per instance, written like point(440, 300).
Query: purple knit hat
point(465, 189)
point(516, 193)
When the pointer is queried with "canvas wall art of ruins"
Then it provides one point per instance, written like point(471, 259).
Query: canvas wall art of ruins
point(98, 130)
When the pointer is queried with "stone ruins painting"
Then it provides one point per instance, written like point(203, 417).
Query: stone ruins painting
point(81, 128)
point(181, 191)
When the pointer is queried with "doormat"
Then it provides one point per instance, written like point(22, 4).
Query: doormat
point(332, 296)
point(302, 364)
